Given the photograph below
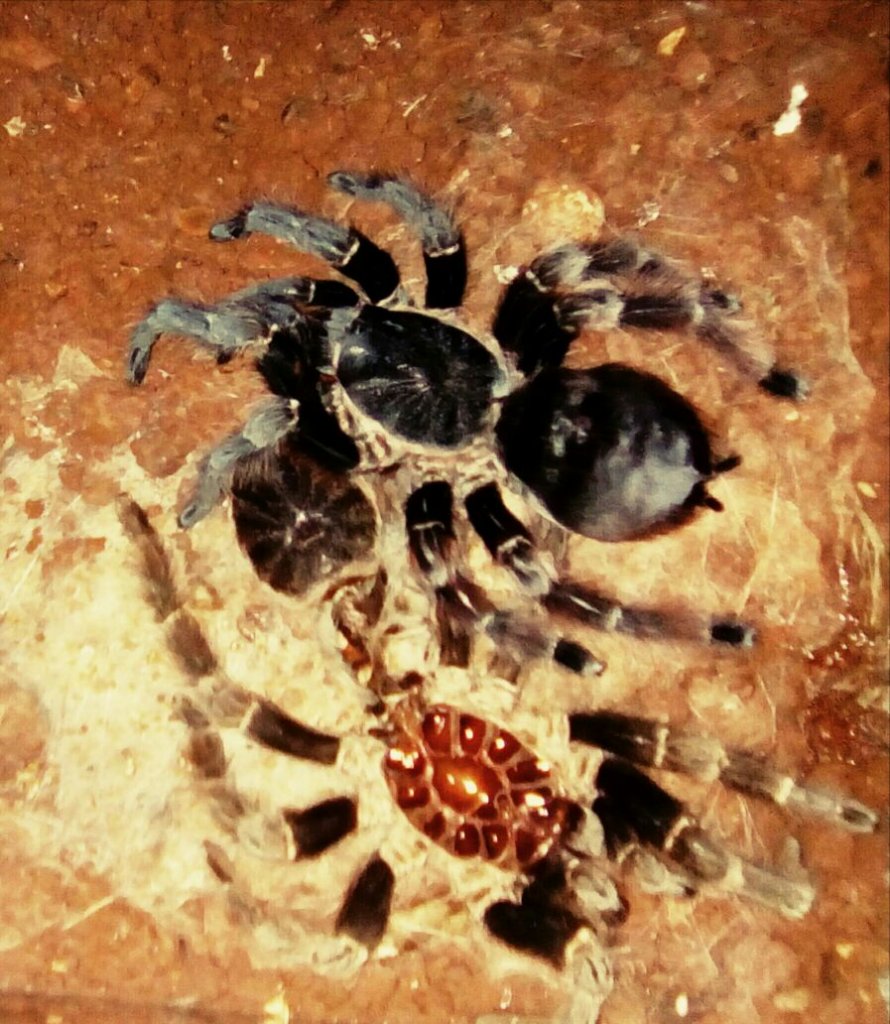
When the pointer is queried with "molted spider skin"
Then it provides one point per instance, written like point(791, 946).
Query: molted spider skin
point(613, 453)
point(473, 787)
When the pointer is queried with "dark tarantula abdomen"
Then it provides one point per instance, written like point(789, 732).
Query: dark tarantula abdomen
point(297, 522)
point(613, 453)
point(423, 379)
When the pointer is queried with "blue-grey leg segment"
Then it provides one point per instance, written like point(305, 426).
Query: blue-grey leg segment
point(343, 248)
point(433, 225)
point(443, 247)
point(249, 315)
point(316, 235)
point(264, 428)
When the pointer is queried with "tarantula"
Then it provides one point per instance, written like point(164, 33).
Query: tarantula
point(369, 390)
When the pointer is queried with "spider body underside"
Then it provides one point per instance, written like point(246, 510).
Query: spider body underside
point(364, 385)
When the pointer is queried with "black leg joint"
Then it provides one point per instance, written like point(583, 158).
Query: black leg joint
point(576, 658)
point(333, 295)
point(365, 911)
point(635, 739)
point(492, 520)
point(527, 324)
point(733, 634)
point(372, 267)
point(275, 729)
point(543, 923)
point(648, 810)
point(446, 274)
point(617, 832)
point(319, 827)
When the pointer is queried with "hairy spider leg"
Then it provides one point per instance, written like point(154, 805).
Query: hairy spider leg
point(653, 744)
point(444, 253)
point(511, 545)
point(238, 321)
point(289, 368)
point(295, 367)
point(462, 607)
point(609, 285)
point(636, 812)
point(214, 702)
point(345, 249)
point(271, 422)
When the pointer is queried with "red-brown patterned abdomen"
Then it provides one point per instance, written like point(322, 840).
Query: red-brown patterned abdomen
point(473, 788)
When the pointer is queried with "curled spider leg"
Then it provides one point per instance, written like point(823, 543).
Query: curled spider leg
point(345, 249)
point(214, 702)
point(511, 545)
point(264, 429)
point(653, 744)
point(615, 284)
point(635, 811)
point(462, 607)
point(249, 316)
point(443, 246)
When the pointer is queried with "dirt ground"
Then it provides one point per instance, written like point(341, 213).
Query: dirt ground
point(130, 127)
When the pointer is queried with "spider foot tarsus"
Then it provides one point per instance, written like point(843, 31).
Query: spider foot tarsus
point(510, 544)
point(784, 384)
point(443, 246)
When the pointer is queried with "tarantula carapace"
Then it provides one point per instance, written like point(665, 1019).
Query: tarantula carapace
point(369, 391)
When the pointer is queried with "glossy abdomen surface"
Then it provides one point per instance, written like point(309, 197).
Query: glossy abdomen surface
point(613, 453)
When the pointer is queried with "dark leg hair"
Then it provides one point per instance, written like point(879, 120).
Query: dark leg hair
point(462, 607)
point(653, 744)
